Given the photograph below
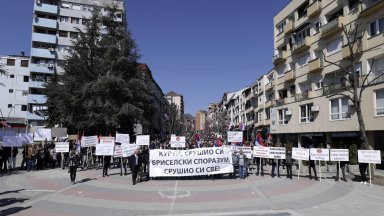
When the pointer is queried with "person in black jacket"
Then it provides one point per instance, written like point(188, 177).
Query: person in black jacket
point(107, 163)
point(288, 164)
point(312, 165)
point(134, 162)
point(72, 163)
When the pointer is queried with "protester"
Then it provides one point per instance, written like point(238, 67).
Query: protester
point(12, 159)
point(288, 164)
point(342, 167)
point(312, 166)
point(107, 163)
point(134, 162)
point(363, 172)
point(25, 158)
point(242, 164)
point(73, 163)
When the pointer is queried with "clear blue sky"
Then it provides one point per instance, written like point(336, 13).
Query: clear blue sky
point(198, 48)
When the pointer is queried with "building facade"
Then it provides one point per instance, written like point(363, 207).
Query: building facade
point(54, 26)
point(201, 117)
point(309, 104)
point(14, 91)
point(177, 100)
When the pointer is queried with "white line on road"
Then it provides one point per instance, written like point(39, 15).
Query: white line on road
point(174, 198)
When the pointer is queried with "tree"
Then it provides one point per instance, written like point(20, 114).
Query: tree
point(356, 83)
point(101, 90)
point(3, 72)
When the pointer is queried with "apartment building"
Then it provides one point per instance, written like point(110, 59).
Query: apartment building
point(14, 91)
point(177, 100)
point(54, 26)
point(201, 118)
point(307, 106)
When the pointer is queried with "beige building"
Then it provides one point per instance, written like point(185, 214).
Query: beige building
point(307, 105)
point(177, 99)
point(201, 117)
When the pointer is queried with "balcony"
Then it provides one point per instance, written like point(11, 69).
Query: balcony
point(278, 102)
point(37, 99)
point(315, 65)
point(371, 6)
point(268, 104)
point(356, 49)
point(43, 53)
point(45, 38)
point(314, 9)
point(333, 88)
point(32, 116)
point(289, 100)
point(315, 93)
point(332, 27)
point(42, 68)
point(36, 84)
point(289, 75)
point(280, 57)
point(46, 8)
point(301, 96)
point(46, 23)
point(288, 27)
point(270, 85)
point(302, 44)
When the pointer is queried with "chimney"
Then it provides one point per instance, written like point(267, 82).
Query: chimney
point(23, 54)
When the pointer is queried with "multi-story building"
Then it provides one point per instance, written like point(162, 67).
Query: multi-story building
point(211, 115)
point(308, 106)
point(189, 123)
point(201, 117)
point(54, 26)
point(177, 100)
point(14, 91)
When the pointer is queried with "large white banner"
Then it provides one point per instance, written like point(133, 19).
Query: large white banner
point(11, 141)
point(200, 161)
point(235, 136)
point(277, 152)
point(118, 152)
point(42, 134)
point(59, 132)
point(178, 141)
point(105, 149)
point(88, 141)
point(129, 149)
point(26, 138)
point(261, 151)
point(247, 151)
point(319, 154)
point(339, 154)
point(122, 138)
point(369, 156)
point(62, 147)
point(142, 140)
point(300, 154)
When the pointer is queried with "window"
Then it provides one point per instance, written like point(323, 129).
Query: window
point(319, 84)
point(376, 27)
point(12, 76)
point(280, 70)
point(64, 19)
point(379, 103)
point(76, 7)
point(303, 60)
point(283, 118)
point(267, 113)
point(306, 115)
point(24, 93)
point(334, 46)
point(24, 63)
point(316, 27)
point(63, 34)
point(66, 5)
point(11, 62)
point(9, 105)
point(23, 107)
point(10, 90)
point(26, 78)
point(280, 28)
point(340, 109)
point(84, 21)
point(75, 20)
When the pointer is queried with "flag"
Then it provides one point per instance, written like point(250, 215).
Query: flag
point(241, 126)
point(5, 124)
point(259, 140)
point(270, 138)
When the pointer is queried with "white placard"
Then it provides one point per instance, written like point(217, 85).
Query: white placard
point(276, 152)
point(42, 134)
point(200, 161)
point(26, 138)
point(261, 151)
point(142, 140)
point(178, 141)
point(122, 138)
point(11, 141)
point(319, 154)
point(62, 147)
point(88, 141)
point(105, 149)
point(118, 152)
point(129, 149)
point(369, 156)
point(339, 154)
point(59, 132)
point(235, 136)
point(107, 140)
point(300, 154)
point(247, 151)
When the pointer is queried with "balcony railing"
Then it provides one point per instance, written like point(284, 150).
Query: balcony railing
point(288, 27)
point(302, 44)
point(357, 49)
point(279, 57)
point(333, 88)
point(371, 6)
point(301, 96)
point(315, 65)
point(46, 8)
point(314, 9)
point(332, 26)
point(289, 75)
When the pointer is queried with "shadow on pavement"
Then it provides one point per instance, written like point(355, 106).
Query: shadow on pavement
point(10, 201)
point(87, 180)
point(13, 210)
point(13, 191)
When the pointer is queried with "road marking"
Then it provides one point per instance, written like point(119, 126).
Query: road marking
point(173, 198)
point(39, 190)
point(273, 207)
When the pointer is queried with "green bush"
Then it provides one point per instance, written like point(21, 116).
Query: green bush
point(353, 154)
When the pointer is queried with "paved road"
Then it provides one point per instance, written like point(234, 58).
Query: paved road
point(49, 192)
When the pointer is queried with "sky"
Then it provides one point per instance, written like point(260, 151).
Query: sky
point(197, 48)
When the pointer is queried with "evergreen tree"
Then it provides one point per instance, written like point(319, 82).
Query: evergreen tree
point(101, 90)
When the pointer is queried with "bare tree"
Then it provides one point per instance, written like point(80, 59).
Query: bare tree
point(356, 83)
